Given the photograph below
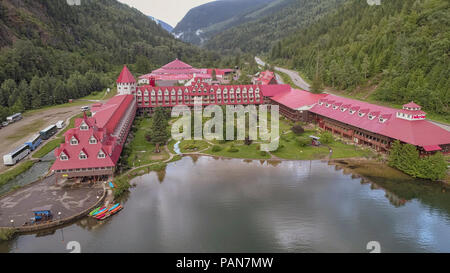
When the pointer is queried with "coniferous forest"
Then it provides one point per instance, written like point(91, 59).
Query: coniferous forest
point(401, 47)
point(51, 52)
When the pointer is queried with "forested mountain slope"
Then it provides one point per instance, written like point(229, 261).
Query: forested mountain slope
point(51, 51)
point(402, 47)
point(203, 22)
point(261, 34)
point(163, 24)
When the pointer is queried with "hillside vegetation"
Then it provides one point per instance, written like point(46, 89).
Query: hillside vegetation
point(205, 21)
point(261, 33)
point(400, 47)
point(51, 52)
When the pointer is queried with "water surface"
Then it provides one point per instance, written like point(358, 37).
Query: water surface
point(232, 205)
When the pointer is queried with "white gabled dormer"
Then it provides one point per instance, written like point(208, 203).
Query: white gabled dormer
point(101, 154)
point(74, 141)
point(84, 126)
point(92, 140)
point(82, 155)
point(63, 156)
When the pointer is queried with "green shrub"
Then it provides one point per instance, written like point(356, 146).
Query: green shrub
point(216, 148)
point(303, 141)
point(326, 138)
point(6, 234)
point(297, 129)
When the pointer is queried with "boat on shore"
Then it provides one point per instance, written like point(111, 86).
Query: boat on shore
point(100, 211)
point(94, 211)
point(113, 210)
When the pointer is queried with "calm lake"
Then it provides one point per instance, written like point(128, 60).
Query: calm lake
point(204, 204)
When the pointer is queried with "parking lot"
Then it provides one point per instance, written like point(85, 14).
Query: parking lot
point(18, 133)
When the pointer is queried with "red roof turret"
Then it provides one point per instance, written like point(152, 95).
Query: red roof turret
point(126, 76)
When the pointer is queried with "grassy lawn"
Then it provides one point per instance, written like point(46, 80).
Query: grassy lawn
point(13, 173)
point(342, 150)
point(48, 147)
point(289, 148)
point(189, 146)
point(241, 151)
point(74, 103)
point(101, 95)
point(142, 151)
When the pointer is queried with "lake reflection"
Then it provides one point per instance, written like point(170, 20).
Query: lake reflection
point(205, 204)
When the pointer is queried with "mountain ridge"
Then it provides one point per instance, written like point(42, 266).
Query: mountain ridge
point(204, 21)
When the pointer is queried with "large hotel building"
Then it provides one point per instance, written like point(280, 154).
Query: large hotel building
point(93, 147)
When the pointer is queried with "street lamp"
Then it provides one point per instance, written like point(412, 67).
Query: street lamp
point(12, 222)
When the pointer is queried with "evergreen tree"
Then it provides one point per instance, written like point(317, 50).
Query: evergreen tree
point(159, 133)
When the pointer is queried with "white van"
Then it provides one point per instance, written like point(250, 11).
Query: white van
point(85, 108)
point(60, 124)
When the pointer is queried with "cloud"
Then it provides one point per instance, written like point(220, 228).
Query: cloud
point(169, 11)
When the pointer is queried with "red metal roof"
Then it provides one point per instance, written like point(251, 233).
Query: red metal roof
point(417, 132)
point(177, 64)
point(102, 124)
point(295, 98)
point(126, 76)
point(266, 77)
point(412, 105)
point(274, 89)
point(430, 148)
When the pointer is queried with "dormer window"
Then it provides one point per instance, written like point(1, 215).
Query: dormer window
point(371, 117)
point(63, 157)
point(73, 141)
point(343, 109)
point(92, 140)
point(351, 112)
point(101, 154)
point(82, 155)
point(320, 103)
point(335, 107)
point(327, 105)
point(84, 126)
point(361, 114)
point(382, 120)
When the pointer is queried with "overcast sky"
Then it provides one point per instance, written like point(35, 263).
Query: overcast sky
point(169, 11)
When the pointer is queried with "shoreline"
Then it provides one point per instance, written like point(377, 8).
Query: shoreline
point(357, 166)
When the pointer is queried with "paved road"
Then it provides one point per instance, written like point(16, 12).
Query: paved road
point(296, 78)
point(442, 125)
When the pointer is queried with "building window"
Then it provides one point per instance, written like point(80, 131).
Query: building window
point(84, 126)
point(73, 141)
point(82, 155)
point(92, 140)
point(63, 157)
point(101, 154)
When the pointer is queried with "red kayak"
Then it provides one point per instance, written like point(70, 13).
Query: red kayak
point(116, 210)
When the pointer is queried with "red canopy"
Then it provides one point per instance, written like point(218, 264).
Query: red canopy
point(430, 148)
